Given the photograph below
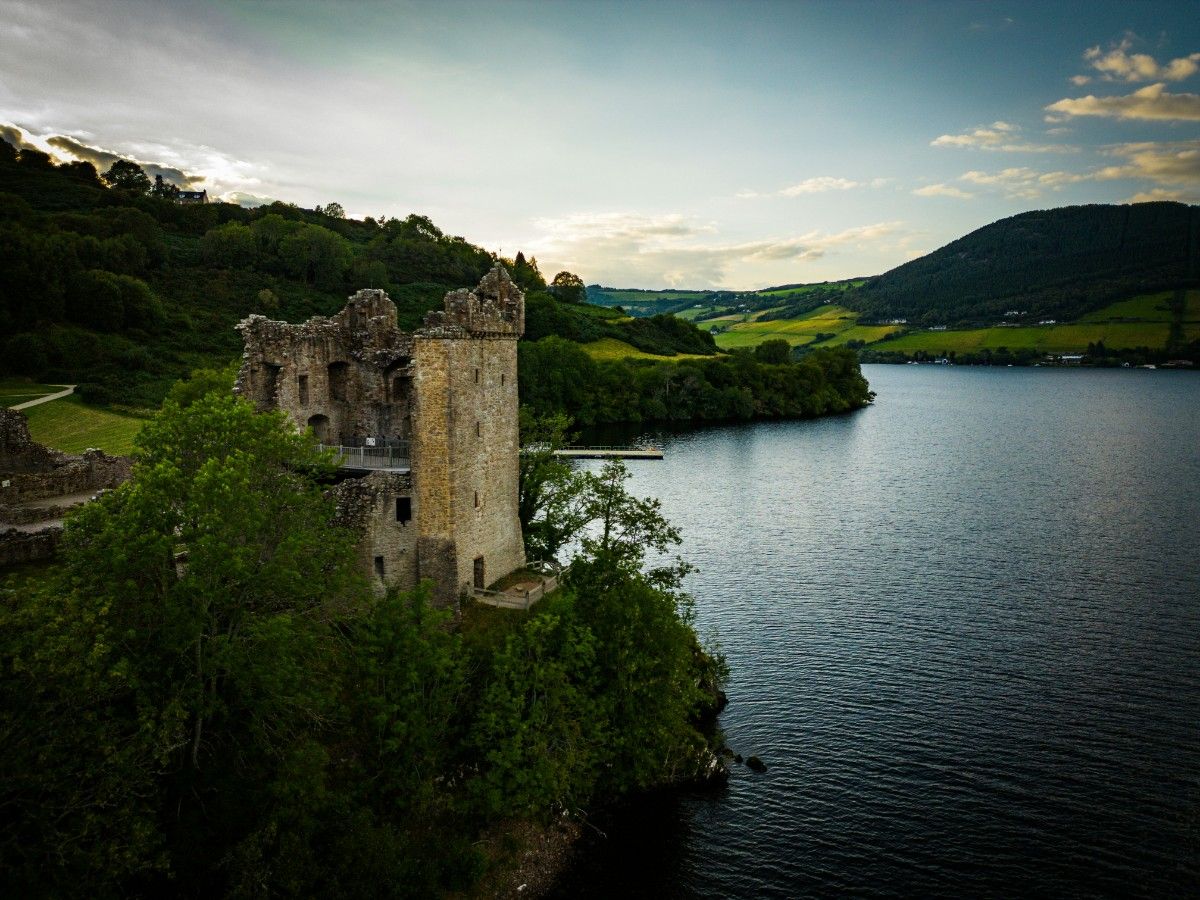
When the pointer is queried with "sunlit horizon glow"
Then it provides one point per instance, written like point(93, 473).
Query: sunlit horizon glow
point(687, 145)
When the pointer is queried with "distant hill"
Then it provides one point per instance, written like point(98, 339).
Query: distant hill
point(1058, 263)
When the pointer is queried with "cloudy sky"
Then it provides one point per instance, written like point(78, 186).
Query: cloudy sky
point(637, 144)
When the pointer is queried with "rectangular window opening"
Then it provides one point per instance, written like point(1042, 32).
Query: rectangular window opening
point(477, 499)
point(476, 428)
point(501, 379)
point(477, 376)
point(379, 566)
point(403, 509)
point(302, 389)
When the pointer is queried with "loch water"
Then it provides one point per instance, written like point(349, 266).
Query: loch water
point(964, 631)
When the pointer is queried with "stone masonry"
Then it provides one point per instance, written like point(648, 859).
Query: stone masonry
point(441, 401)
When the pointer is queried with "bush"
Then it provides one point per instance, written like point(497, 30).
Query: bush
point(95, 394)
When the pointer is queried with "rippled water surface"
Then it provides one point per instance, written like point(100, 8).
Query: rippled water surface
point(964, 629)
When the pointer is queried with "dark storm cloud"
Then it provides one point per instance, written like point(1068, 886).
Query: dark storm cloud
point(103, 160)
point(15, 136)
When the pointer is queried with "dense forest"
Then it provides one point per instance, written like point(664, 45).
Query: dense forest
point(204, 698)
point(1056, 263)
point(106, 281)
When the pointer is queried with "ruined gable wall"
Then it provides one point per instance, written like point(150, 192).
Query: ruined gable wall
point(346, 376)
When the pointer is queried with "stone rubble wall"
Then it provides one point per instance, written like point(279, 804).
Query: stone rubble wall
point(28, 546)
point(92, 471)
point(30, 472)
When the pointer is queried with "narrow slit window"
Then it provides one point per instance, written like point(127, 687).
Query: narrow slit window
point(477, 376)
point(477, 431)
point(501, 379)
point(379, 566)
point(403, 509)
point(477, 499)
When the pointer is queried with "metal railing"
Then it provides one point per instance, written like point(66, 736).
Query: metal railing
point(393, 457)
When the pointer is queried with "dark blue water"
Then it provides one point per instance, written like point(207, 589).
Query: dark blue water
point(964, 629)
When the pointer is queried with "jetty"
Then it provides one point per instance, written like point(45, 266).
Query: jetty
point(610, 452)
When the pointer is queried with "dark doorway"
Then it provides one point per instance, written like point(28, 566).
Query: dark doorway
point(320, 427)
point(480, 582)
point(403, 509)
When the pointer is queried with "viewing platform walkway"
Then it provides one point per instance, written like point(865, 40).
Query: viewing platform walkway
point(393, 458)
point(606, 452)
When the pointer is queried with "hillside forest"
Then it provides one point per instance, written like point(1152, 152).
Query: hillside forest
point(108, 282)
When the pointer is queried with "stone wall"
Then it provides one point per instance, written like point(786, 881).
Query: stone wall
point(387, 547)
point(92, 471)
point(30, 473)
point(28, 546)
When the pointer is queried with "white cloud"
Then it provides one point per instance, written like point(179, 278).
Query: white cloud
point(1080, 80)
point(1117, 64)
point(943, 190)
point(1156, 194)
point(1151, 102)
point(631, 248)
point(1160, 163)
point(1022, 182)
point(819, 185)
point(997, 136)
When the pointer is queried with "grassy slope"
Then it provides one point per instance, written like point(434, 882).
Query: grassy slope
point(749, 331)
point(611, 348)
point(1142, 321)
point(73, 427)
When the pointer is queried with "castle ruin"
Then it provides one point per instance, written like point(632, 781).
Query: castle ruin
point(425, 425)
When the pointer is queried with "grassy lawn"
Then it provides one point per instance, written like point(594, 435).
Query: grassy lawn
point(73, 427)
point(18, 390)
point(611, 348)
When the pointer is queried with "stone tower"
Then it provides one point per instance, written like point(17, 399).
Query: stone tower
point(427, 422)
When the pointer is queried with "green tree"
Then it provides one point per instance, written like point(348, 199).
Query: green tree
point(127, 176)
point(173, 681)
point(333, 210)
point(569, 288)
point(550, 493)
point(774, 352)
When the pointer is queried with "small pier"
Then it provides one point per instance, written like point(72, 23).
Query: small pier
point(610, 452)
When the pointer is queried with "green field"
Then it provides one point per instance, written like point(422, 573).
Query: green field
point(1146, 308)
point(19, 390)
point(611, 348)
point(807, 288)
point(1043, 338)
point(72, 427)
point(749, 331)
point(1142, 321)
